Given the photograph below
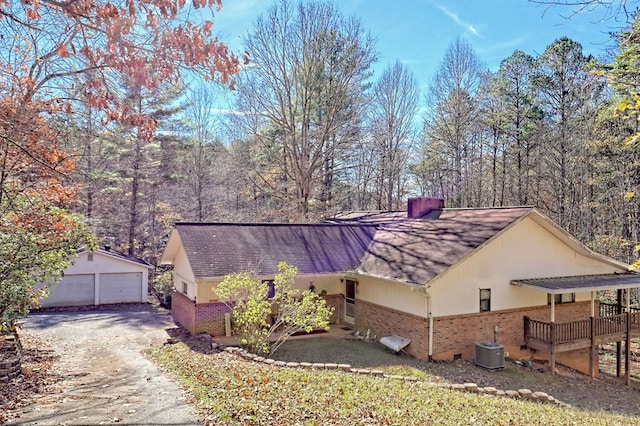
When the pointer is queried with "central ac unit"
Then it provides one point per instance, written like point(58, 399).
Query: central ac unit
point(490, 355)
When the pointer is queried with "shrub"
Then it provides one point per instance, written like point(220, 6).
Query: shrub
point(263, 324)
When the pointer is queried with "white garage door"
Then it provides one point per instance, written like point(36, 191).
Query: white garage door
point(121, 287)
point(73, 290)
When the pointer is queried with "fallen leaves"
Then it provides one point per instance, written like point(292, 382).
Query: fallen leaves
point(246, 393)
point(39, 377)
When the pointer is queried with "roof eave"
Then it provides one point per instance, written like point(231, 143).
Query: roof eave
point(576, 289)
point(121, 258)
point(171, 249)
point(387, 279)
point(573, 242)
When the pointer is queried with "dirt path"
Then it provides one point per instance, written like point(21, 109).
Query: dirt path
point(101, 377)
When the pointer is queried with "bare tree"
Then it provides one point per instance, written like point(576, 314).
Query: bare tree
point(394, 108)
point(304, 90)
point(567, 93)
point(609, 9)
point(197, 165)
point(519, 114)
point(452, 108)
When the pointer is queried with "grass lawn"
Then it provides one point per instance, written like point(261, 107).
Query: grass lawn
point(230, 390)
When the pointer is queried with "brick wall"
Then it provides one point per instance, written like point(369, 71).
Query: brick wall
point(199, 318)
point(457, 335)
point(209, 318)
point(336, 301)
point(382, 321)
point(183, 310)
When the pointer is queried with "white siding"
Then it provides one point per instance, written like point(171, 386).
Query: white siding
point(83, 280)
point(392, 295)
point(526, 250)
point(183, 276)
point(330, 283)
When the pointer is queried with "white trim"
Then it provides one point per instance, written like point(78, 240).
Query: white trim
point(116, 257)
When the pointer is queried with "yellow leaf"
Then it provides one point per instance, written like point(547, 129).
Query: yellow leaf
point(630, 194)
point(632, 139)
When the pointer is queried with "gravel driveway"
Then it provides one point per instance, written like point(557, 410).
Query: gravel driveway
point(106, 378)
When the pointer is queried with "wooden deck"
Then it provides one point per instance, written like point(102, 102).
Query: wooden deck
point(557, 337)
point(568, 336)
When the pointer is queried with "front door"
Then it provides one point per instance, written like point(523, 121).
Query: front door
point(350, 301)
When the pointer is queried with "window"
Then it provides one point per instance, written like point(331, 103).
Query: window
point(185, 287)
point(485, 299)
point(272, 289)
point(561, 298)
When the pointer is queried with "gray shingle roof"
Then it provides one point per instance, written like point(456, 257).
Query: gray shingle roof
point(216, 250)
point(418, 250)
point(557, 285)
point(385, 245)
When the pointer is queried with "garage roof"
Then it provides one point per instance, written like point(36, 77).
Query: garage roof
point(118, 255)
point(559, 285)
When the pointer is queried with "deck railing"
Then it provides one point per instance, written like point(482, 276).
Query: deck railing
point(609, 309)
point(567, 332)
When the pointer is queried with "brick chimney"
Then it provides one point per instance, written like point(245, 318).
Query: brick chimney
point(420, 206)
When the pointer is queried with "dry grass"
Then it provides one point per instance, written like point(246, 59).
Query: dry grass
point(230, 390)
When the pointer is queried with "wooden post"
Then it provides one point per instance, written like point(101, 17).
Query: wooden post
point(627, 350)
point(527, 331)
point(619, 343)
point(552, 351)
point(592, 352)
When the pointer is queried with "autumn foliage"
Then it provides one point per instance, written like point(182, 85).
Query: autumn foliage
point(79, 46)
point(37, 233)
point(54, 55)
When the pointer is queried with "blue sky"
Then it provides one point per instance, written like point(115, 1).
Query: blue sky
point(418, 32)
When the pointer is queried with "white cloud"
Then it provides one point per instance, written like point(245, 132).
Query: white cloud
point(455, 18)
point(228, 111)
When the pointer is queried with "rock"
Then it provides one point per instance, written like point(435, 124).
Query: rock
point(490, 390)
point(471, 387)
point(512, 394)
point(525, 393)
point(540, 396)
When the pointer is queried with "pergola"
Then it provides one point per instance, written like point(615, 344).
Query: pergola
point(557, 337)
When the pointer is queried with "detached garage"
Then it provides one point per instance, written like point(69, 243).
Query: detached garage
point(98, 278)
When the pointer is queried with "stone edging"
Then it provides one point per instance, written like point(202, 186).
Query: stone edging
point(524, 394)
point(10, 357)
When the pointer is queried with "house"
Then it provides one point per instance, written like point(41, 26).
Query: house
point(100, 277)
point(444, 278)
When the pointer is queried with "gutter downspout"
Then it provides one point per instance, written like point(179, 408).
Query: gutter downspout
point(430, 324)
